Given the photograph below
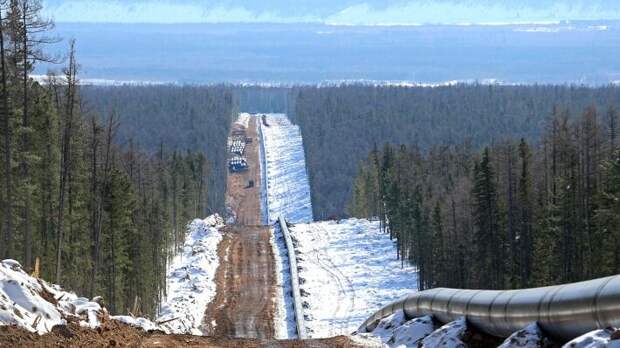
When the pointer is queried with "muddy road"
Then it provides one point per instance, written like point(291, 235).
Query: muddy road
point(244, 304)
point(243, 189)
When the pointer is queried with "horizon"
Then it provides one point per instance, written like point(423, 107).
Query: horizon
point(345, 12)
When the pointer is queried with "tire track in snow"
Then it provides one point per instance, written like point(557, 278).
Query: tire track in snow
point(341, 315)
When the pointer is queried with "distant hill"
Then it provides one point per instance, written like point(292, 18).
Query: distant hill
point(576, 52)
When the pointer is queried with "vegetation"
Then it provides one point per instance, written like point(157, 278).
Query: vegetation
point(342, 124)
point(518, 214)
point(175, 118)
point(101, 205)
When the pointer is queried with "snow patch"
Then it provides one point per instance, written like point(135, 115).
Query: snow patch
point(348, 270)
point(447, 336)
point(607, 338)
point(37, 306)
point(396, 331)
point(243, 119)
point(528, 337)
point(191, 278)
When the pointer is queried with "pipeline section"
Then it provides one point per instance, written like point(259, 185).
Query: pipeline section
point(299, 314)
point(563, 311)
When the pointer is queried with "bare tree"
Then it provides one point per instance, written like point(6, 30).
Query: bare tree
point(65, 162)
point(6, 129)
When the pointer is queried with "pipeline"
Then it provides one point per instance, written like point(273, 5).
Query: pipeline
point(299, 314)
point(563, 311)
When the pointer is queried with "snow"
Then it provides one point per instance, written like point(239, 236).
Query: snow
point(528, 337)
point(348, 269)
point(243, 119)
point(191, 278)
point(395, 331)
point(447, 336)
point(288, 188)
point(596, 339)
point(145, 324)
point(37, 306)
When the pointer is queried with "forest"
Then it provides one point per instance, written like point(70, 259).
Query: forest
point(98, 184)
point(514, 214)
point(175, 118)
point(342, 124)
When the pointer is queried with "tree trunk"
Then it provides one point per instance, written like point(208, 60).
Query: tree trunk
point(8, 176)
point(26, 145)
point(66, 156)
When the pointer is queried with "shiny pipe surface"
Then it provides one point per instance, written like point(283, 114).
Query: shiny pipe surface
point(563, 311)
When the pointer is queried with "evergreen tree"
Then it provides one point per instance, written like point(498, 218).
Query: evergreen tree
point(488, 238)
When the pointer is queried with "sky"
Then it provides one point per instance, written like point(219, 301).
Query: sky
point(337, 12)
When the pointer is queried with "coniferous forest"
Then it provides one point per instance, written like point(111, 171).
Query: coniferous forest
point(515, 214)
point(342, 124)
point(98, 184)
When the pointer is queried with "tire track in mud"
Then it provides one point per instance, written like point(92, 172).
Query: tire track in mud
point(243, 305)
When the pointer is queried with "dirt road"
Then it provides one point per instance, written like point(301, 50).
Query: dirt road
point(244, 303)
point(241, 199)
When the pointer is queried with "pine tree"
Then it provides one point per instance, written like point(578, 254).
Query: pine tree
point(524, 197)
point(488, 238)
point(607, 220)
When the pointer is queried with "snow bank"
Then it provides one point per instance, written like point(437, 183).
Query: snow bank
point(528, 337)
point(190, 279)
point(288, 188)
point(607, 338)
point(243, 119)
point(395, 331)
point(37, 306)
point(447, 336)
point(348, 269)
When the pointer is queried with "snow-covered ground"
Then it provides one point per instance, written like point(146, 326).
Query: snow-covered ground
point(37, 306)
point(395, 331)
point(244, 119)
point(285, 189)
point(191, 277)
point(606, 338)
point(288, 188)
point(348, 270)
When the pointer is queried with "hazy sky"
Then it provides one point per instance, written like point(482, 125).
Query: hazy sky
point(345, 12)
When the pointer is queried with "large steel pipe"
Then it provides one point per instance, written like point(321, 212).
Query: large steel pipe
point(563, 311)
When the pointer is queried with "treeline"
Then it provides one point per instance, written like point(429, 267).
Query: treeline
point(177, 118)
point(102, 219)
point(262, 99)
point(516, 214)
point(340, 125)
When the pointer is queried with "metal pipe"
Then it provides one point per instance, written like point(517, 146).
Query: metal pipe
point(299, 311)
point(563, 311)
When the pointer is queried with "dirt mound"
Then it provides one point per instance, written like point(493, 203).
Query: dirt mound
point(116, 334)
